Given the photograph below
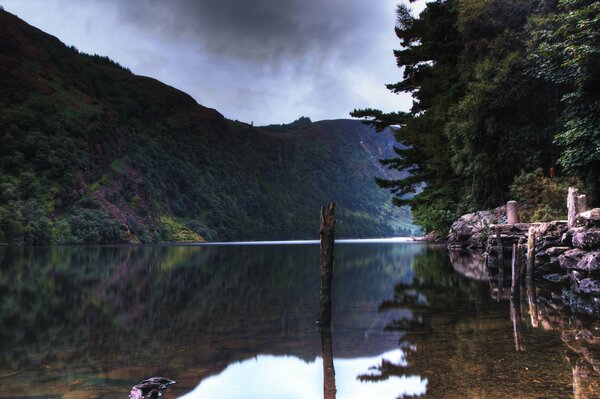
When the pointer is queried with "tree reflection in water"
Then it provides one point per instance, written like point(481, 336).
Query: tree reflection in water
point(457, 334)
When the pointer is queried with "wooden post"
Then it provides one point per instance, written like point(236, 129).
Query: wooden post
point(572, 206)
point(531, 238)
point(581, 203)
point(329, 389)
point(327, 233)
point(532, 299)
point(515, 316)
point(512, 216)
point(514, 289)
point(499, 248)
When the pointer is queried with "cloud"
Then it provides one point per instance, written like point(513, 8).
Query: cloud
point(267, 61)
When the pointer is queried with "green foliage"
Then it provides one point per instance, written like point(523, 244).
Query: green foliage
point(544, 196)
point(493, 82)
point(92, 153)
point(566, 51)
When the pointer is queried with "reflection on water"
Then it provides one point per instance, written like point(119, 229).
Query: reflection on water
point(288, 376)
point(239, 321)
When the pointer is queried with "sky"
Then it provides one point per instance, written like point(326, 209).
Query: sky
point(260, 61)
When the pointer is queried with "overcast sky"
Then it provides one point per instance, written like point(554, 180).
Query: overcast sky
point(261, 61)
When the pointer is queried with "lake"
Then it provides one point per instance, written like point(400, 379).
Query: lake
point(238, 321)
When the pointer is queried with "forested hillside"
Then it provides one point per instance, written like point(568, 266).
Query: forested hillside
point(91, 153)
point(503, 91)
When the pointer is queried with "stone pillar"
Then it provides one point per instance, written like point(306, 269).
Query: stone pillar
point(572, 206)
point(512, 215)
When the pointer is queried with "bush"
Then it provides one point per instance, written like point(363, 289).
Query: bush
point(545, 197)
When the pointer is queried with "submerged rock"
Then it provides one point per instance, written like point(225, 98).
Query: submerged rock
point(150, 388)
point(581, 304)
point(589, 286)
point(556, 277)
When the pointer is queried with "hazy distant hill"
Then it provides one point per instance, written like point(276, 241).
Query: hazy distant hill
point(90, 152)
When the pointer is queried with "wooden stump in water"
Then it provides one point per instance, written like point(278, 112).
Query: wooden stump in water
point(514, 289)
point(531, 238)
point(327, 233)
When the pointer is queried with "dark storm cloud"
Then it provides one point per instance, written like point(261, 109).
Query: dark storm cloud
point(267, 61)
point(264, 30)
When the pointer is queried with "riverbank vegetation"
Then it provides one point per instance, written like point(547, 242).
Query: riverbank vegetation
point(502, 89)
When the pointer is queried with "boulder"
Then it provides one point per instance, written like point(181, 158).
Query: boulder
point(550, 235)
point(571, 258)
point(589, 262)
point(471, 230)
point(590, 218)
point(589, 286)
point(587, 238)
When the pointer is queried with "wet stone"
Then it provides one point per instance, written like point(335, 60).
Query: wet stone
point(589, 286)
point(556, 277)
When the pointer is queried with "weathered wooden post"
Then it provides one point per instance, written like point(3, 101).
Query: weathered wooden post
point(327, 233)
point(514, 289)
point(512, 215)
point(581, 203)
point(499, 247)
point(532, 299)
point(515, 316)
point(531, 238)
point(572, 206)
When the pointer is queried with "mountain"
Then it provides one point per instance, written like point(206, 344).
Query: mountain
point(91, 153)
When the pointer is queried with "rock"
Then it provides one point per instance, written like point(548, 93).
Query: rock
point(589, 262)
point(150, 388)
point(580, 304)
point(586, 238)
point(590, 218)
point(589, 286)
point(470, 230)
point(575, 278)
point(571, 258)
point(550, 235)
point(556, 277)
point(567, 238)
point(556, 251)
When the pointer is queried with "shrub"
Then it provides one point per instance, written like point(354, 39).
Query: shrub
point(545, 197)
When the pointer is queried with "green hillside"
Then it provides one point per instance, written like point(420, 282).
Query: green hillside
point(91, 153)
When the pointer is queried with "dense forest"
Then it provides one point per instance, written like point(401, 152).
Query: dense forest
point(503, 91)
point(91, 153)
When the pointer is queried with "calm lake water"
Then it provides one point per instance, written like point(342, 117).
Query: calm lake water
point(238, 321)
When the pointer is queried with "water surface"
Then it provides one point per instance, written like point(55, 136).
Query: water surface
point(238, 321)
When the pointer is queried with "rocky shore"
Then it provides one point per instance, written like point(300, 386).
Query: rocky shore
point(567, 257)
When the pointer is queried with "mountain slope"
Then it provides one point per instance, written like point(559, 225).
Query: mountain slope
point(90, 152)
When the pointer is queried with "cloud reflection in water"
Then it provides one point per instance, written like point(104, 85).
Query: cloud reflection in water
point(268, 376)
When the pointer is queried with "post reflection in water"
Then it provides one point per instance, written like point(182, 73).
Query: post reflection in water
point(329, 389)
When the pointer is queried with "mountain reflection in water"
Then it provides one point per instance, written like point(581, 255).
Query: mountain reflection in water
point(408, 320)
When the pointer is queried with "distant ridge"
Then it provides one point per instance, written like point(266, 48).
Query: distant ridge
point(91, 153)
